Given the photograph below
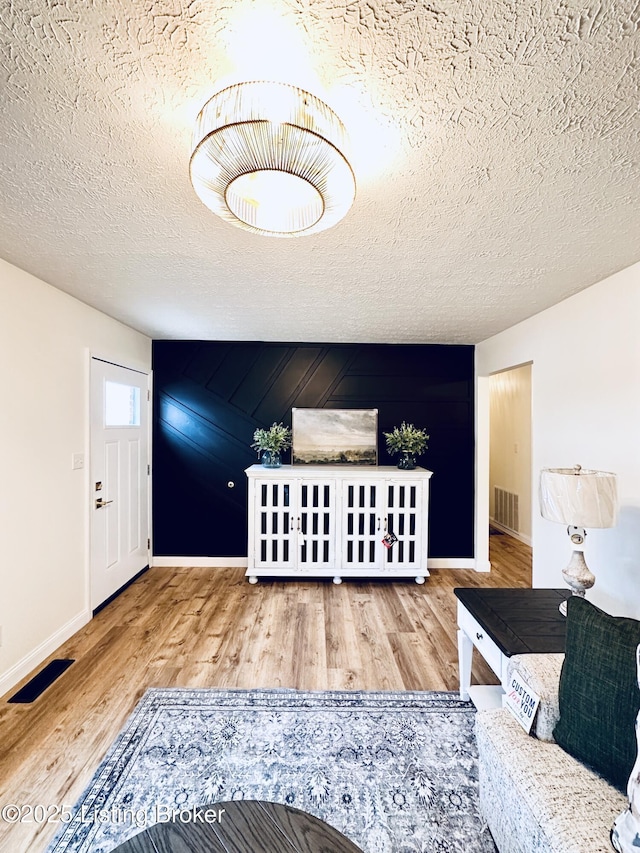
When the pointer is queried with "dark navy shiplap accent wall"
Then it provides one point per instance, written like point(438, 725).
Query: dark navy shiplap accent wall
point(210, 396)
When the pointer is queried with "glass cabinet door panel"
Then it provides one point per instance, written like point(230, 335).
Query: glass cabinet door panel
point(403, 520)
point(361, 525)
point(316, 524)
point(275, 524)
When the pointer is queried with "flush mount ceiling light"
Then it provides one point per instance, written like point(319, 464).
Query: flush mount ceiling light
point(268, 157)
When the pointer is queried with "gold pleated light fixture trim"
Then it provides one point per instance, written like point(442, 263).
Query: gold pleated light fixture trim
point(268, 157)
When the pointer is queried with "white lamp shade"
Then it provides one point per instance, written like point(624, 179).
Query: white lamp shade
point(577, 497)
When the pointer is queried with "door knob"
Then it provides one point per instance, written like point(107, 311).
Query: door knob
point(100, 503)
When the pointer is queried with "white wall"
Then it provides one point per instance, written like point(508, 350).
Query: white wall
point(585, 409)
point(45, 339)
point(510, 443)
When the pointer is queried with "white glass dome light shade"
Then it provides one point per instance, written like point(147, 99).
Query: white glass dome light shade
point(268, 157)
point(271, 200)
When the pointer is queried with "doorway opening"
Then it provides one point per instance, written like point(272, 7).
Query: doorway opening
point(510, 477)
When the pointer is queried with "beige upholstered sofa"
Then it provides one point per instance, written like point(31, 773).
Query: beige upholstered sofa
point(534, 796)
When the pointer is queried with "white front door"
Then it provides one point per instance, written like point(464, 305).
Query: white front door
point(119, 477)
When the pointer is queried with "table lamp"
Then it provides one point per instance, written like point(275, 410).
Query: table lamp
point(578, 498)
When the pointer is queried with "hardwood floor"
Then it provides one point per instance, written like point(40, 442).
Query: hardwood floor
point(210, 628)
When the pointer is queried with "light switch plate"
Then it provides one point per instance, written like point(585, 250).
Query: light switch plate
point(77, 461)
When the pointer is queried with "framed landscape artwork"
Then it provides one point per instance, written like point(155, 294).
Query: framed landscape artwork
point(334, 436)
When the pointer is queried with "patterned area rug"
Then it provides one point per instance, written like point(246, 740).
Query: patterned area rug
point(394, 772)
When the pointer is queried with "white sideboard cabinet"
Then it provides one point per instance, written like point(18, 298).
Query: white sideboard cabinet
point(329, 521)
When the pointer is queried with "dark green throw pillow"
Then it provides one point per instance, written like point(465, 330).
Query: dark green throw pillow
point(599, 695)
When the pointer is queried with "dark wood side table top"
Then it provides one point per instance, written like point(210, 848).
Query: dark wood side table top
point(519, 621)
point(242, 826)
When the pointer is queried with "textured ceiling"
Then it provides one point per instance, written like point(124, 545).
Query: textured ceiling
point(496, 147)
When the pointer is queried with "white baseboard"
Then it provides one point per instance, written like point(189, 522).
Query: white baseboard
point(200, 562)
point(459, 563)
point(241, 563)
point(519, 536)
point(451, 563)
point(28, 663)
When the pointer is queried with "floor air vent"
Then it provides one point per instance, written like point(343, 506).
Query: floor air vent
point(505, 510)
point(39, 683)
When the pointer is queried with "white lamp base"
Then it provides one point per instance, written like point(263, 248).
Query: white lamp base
point(578, 576)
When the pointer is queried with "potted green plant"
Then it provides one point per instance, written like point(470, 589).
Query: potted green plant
point(269, 443)
point(409, 442)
